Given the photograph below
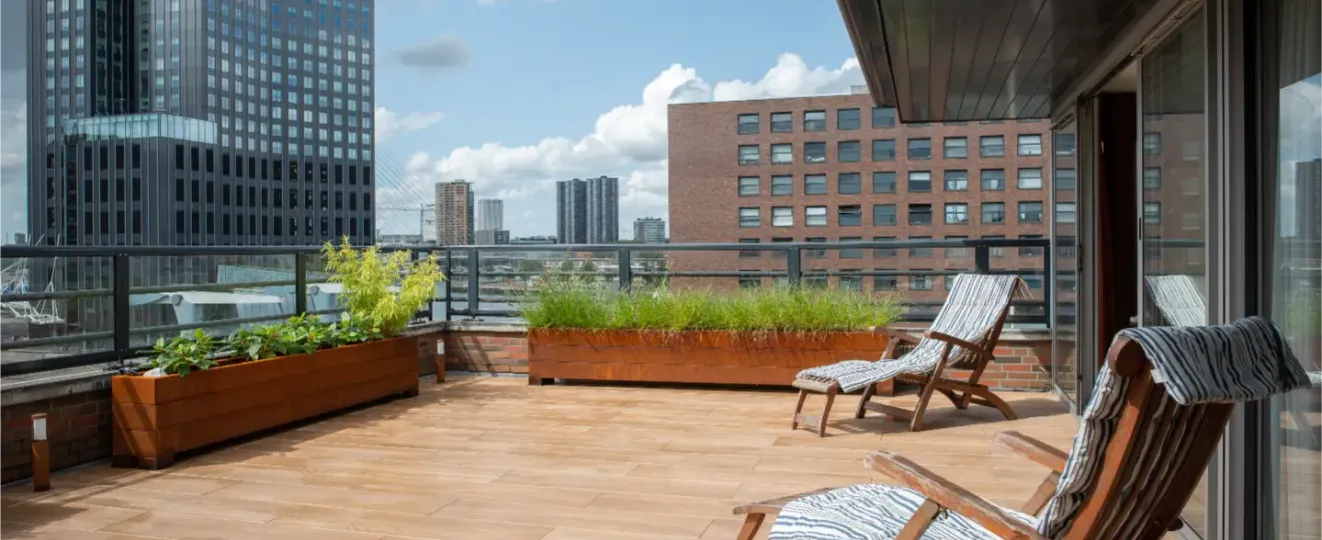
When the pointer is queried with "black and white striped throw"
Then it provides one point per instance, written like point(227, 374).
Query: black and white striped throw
point(973, 306)
point(1243, 361)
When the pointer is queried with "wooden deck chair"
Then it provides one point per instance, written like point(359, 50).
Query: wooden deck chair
point(962, 336)
point(1162, 400)
point(1175, 300)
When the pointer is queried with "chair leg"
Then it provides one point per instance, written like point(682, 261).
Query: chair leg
point(751, 524)
point(916, 423)
point(988, 398)
point(826, 411)
point(921, 520)
point(973, 379)
point(863, 401)
point(798, 408)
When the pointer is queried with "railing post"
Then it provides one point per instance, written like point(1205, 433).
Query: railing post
point(474, 283)
point(793, 266)
point(982, 259)
point(1047, 278)
point(449, 282)
point(122, 309)
point(625, 261)
point(300, 284)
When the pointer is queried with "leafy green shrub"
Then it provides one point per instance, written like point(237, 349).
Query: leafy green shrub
point(369, 278)
point(572, 303)
point(182, 355)
point(300, 334)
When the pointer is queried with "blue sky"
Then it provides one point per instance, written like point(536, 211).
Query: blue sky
point(508, 93)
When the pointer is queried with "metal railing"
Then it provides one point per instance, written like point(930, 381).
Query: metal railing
point(462, 294)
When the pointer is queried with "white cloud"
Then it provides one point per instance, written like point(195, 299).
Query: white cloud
point(628, 141)
point(390, 123)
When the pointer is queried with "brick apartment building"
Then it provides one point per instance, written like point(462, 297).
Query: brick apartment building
point(836, 168)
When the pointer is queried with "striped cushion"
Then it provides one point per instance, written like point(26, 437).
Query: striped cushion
point(975, 303)
point(1174, 301)
point(1243, 361)
point(870, 512)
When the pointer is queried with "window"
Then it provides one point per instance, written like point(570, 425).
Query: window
point(1066, 180)
point(1030, 178)
point(814, 184)
point(955, 253)
point(179, 194)
point(814, 152)
point(995, 252)
point(883, 149)
point(814, 216)
point(883, 182)
point(920, 181)
point(816, 254)
point(749, 282)
point(1065, 213)
point(750, 186)
point(991, 146)
point(957, 214)
point(920, 283)
point(846, 119)
point(850, 282)
point(780, 254)
point(849, 215)
point(782, 216)
point(1152, 213)
point(957, 180)
point(748, 124)
point(848, 152)
point(748, 154)
point(883, 117)
point(851, 253)
point(956, 147)
point(920, 148)
point(920, 214)
point(993, 212)
point(884, 214)
point(1030, 212)
point(993, 179)
point(750, 217)
point(782, 154)
point(884, 283)
point(749, 253)
point(1030, 145)
point(1152, 143)
point(849, 184)
point(814, 121)
point(782, 185)
point(1065, 144)
point(1152, 178)
point(1031, 251)
point(883, 253)
point(782, 122)
point(920, 252)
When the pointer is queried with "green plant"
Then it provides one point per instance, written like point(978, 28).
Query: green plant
point(182, 354)
point(349, 330)
point(370, 279)
point(576, 303)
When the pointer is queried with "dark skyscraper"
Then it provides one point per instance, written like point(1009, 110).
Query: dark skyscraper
point(603, 210)
point(571, 211)
point(202, 122)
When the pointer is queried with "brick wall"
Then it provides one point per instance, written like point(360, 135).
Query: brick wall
point(78, 428)
point(1023, 360)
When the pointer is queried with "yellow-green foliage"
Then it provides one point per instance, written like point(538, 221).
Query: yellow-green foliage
point(571, 303)
point(368, 276)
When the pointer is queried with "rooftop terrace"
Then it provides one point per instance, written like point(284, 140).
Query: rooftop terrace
point(496, 458)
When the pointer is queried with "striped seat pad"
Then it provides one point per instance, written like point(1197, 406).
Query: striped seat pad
point(975, 303)
point(1243, 361)
point(870, 512)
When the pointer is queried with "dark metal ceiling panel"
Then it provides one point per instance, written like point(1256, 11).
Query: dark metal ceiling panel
point(968, 60)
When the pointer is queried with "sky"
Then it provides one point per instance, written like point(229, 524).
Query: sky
point(514, 95)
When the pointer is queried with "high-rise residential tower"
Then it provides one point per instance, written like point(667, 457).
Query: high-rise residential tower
point(490, 214)
point(571, 211)
point(454, 213)
point(603, 210)
point(649, 230)
point(204, 122)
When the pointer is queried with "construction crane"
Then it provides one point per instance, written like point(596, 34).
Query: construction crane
point(426, 216)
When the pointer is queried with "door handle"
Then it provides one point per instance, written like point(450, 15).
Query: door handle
point(1133, 321)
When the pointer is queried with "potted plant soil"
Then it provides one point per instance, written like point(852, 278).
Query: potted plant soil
point(200, 391)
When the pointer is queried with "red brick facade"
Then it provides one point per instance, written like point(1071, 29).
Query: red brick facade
point(78, 428)
point(487, 352)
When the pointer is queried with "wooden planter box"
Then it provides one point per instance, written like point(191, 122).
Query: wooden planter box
point(713, 357)
point(155, 417)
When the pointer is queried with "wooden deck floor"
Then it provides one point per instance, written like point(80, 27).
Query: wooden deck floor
point(495, 458)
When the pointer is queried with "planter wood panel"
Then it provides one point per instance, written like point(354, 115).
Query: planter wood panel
point(156, 417)
point(712, 357)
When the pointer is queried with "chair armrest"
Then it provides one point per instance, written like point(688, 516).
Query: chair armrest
point(895, 334)
point(950, 496)
point(772, 507)
point(933, 334)
point(1037, 451)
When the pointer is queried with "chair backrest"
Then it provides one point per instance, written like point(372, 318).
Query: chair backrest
point(975, 311)
point(1174, 300)
point(1162, 401)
